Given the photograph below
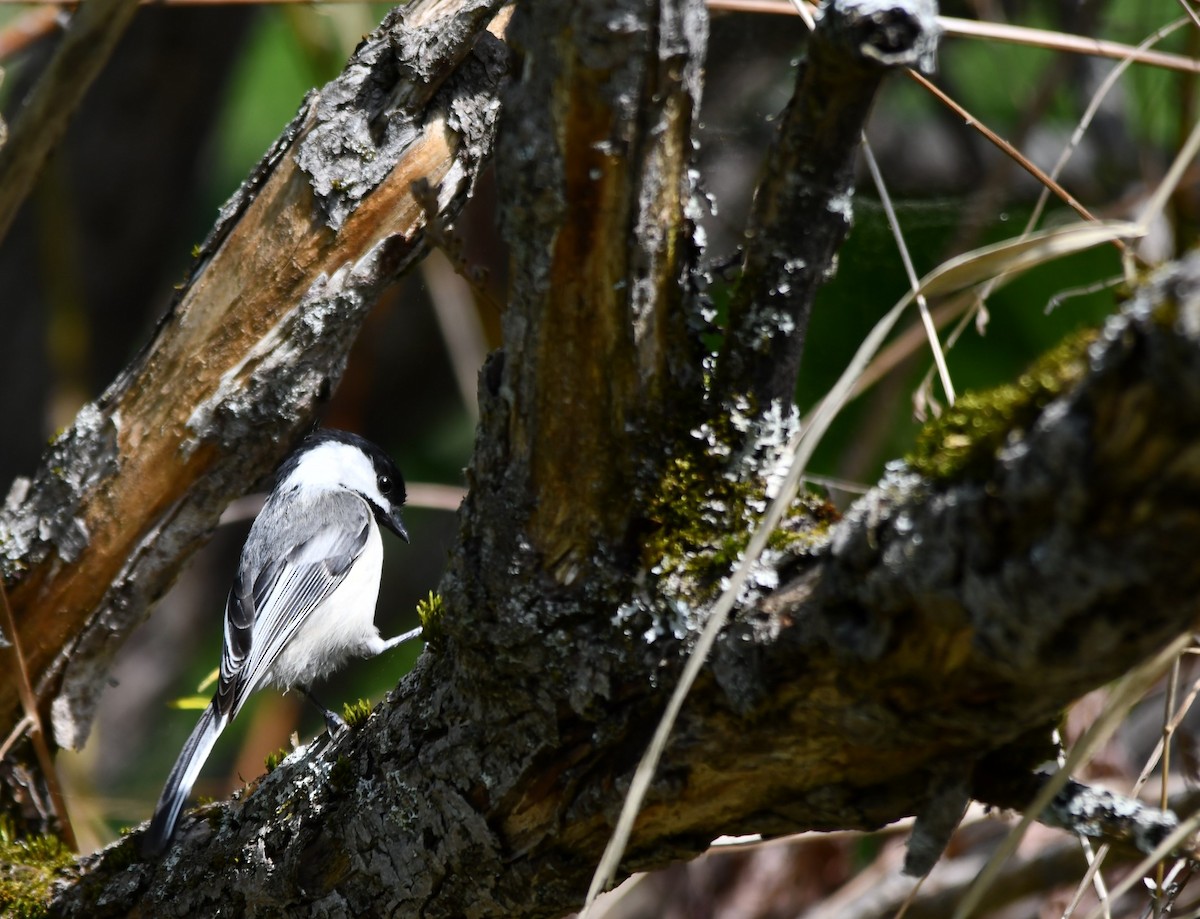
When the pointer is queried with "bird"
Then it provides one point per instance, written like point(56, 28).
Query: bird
point(303, 600)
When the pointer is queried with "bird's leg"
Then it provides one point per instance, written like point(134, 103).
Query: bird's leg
point(401, 639)
point(333, 721)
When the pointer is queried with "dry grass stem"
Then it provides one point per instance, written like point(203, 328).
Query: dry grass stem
point(34, 722)
point(1129, 690)
point(953, 27)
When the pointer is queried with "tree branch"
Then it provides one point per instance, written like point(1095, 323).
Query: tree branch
point(597, 214)
point(940, 622)
point(802, 206)
point(871, 666)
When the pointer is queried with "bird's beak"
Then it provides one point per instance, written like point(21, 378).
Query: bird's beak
point(390, 518)
point(396, 525)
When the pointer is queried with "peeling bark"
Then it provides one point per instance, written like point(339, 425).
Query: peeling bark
point(596, 211)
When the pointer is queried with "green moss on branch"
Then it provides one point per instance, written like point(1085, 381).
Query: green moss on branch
point(963, 442)
point(28, 869)
point(709, 498)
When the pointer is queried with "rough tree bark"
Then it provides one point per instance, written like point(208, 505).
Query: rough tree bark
point(875, 667)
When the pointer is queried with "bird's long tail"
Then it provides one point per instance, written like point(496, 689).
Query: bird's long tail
point(182, 778)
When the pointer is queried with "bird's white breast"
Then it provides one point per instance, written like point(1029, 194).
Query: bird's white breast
point(341, 627)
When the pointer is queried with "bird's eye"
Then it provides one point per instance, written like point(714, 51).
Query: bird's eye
point(385, 484)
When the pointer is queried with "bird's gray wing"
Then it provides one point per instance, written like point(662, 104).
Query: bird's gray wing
point(270, 601)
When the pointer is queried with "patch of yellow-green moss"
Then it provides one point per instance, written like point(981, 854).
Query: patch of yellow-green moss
point(356, 713)
point(341, 773)
point(806, 524)
point(274, 759)
point(29, 867)
point(963, 442)
point(429, 612)
point(701, 520)
point(124, 853)
point(691, 512)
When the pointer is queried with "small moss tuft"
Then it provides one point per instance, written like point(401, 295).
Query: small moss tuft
point(430, 612)
point(963, 442)
point(124, 854)
point(341, 773)
point(356, 713)
point(274, 759)
point(28, 868)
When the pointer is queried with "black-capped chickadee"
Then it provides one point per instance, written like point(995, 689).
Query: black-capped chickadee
point(304, 598)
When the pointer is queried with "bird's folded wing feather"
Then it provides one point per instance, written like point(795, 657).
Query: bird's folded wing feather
point(268, 605)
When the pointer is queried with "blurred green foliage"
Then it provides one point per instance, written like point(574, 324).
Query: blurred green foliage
point(871, 279)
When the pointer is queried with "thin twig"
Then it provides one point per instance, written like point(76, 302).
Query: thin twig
point(1098, 881)
point(1167, 731)
point(953, 27)
point(1061, 41)
point(1005, 258)
point(1085, 121)
point(458, 321)
point(1095, 858)
point(1129, 690)
point(912, 896)
point(1171, 180)
point(885, 199)
point(910, 340)
point(1085, 882)
point(435, 496)
point(1161, 851)
point(1191, 12)
point(1093, 107)
point(906, 343)
point(15, 734)
point(1151, 762)
point(1021, 160)
point(36, 735)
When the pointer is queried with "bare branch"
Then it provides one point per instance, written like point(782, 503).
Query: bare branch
point(802, 207)
point(942, 623)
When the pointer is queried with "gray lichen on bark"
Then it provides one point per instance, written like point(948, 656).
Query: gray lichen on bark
point(39, 517)
point(368, 116)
